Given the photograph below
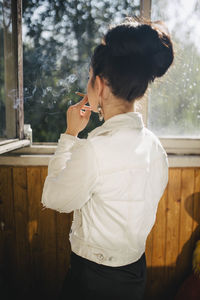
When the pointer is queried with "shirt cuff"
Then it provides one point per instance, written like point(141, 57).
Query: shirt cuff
point(65, 142)
point(66, 136)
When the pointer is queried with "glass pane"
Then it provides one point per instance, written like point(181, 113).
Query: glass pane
point(174, 100)
point(59, 37)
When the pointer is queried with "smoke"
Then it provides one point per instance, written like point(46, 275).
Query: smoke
point(15, 101)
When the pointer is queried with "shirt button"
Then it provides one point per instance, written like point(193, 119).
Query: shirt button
point(100, 256)
point(110, 258)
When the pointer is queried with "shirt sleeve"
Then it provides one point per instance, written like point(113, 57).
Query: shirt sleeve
point(72, 174)
point(158, 174)
point(161, 176)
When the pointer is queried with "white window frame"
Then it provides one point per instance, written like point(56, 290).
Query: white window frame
point(173, 145)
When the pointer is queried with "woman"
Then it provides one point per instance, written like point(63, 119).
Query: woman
point(114, 179)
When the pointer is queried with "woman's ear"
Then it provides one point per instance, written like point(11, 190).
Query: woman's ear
point(102, 88)
point(99, 84)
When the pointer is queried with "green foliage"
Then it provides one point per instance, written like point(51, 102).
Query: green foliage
point(60, 38)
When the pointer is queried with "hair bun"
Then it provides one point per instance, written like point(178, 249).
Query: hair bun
point(163, 57)
point(161, 61)
point(122, 41)
point(131, 55)
point(146, 42)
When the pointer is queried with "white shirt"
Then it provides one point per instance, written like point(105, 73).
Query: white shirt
point(113, 181)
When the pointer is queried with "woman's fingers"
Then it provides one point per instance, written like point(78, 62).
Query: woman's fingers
point(81, 104)
point(86, 107)
point(83, 101)
point(86, 114)
point(78, 116)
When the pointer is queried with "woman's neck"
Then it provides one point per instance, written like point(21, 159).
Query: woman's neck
point(116, 107)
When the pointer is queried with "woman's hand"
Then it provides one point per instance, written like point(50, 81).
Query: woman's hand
point(77, 119)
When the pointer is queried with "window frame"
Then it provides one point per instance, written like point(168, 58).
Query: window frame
point(172, 145)
point(14, 115)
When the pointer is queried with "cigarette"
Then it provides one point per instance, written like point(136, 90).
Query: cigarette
point(80, 94)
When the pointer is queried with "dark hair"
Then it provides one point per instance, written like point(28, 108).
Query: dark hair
point(131, 55)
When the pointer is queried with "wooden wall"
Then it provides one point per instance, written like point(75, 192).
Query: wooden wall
point(34, 246)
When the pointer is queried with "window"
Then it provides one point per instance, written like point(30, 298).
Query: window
point(58, 39)
point(171, 105)
point(11, 81)
point(174, 101)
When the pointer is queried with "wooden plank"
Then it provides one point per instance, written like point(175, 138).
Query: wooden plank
point(64, 222)
point(21, 228)
point(34, 209)
point(196, 216)
point(159, 233)
point(184, 259)
point(149, 246)
point(173, 219)
point(45, 233)
point(173, 214)
point(148, 253)
point(6, 188)
point(7, 233)
point(158, 249)
point(48, 242)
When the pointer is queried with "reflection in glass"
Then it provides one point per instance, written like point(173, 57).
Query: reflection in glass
point(59, 37)
point(174, 100)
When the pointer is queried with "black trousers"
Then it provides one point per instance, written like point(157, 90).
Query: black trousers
point(88, 280)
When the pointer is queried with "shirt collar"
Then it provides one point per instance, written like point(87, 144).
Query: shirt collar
point(128, 120)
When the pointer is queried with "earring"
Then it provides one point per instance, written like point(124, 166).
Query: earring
point(100, 112)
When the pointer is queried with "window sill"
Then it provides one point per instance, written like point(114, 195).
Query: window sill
point(181, 153)
point(11, 145)
point(182, 146)
point(39, 155)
